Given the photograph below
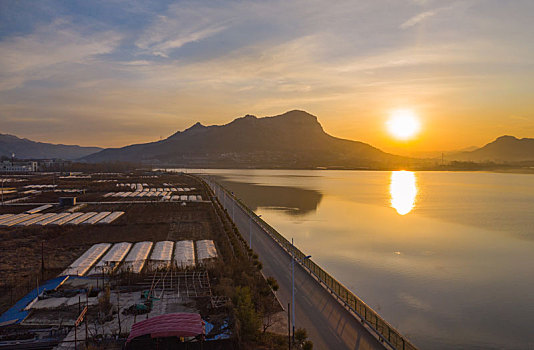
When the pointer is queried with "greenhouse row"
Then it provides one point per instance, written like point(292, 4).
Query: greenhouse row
point(128, 257)
point(164, 194)
point(106, 217)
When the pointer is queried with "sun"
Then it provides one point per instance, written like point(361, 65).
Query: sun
point(403, 124)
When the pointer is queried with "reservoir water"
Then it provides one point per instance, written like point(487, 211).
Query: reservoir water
point(445, 257)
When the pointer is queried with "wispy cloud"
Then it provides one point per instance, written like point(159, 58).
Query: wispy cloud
point(423, 16)
point(141, 71)
point(34, 56)
point(136, 63)
point(183, 24)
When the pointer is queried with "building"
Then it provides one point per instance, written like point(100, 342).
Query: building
point(67, 201)
point(17, 167)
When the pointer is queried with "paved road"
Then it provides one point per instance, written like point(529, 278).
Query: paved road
point(329, 325)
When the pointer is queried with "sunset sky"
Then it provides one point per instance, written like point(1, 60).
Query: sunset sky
point(110, 73)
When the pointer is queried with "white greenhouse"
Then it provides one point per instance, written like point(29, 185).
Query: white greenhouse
point(81, 265)
point(95, 219)
point(161, 255)
point(112, 259)
point(206, 250)
point(184, 254)
point(136, 258)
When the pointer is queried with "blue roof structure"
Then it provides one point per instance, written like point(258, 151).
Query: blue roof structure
point(224, 331)
point(16, 313)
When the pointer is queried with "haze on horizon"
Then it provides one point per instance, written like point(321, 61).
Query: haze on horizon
point(112, 73)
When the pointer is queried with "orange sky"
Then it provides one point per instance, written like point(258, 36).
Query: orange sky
point(106, 74)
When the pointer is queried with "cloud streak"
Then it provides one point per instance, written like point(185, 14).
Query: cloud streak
point(37, 56)
point(180, 25)
point(141, 78)
point(415, 20)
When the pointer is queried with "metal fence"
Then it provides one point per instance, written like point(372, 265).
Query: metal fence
point(367, 315)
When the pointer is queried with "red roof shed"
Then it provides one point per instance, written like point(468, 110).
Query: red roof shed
point(169, 325)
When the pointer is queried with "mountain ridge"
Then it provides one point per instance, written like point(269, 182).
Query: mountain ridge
point(292, 139)
point(28, 149)
point(505, 148)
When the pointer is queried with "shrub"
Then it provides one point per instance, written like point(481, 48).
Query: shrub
point(246, 314)
point(271, 281)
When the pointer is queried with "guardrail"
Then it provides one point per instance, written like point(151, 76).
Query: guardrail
point(384, 331)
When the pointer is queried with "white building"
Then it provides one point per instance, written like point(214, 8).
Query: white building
point(9, 166)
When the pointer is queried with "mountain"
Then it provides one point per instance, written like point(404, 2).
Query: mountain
point(27, 149)
point(436, 154)
point(294, 139)
point(504, 149)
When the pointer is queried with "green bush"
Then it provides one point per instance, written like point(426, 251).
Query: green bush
point(249, 320)
point(307, 345)
point(271, 281)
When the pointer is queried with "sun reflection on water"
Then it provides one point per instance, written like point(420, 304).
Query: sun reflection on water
point(403, 190)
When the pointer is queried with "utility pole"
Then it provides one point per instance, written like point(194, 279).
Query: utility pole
point(293, 285)
point(289, 325)
point(42, 260)
point(293, 281)
point(76, 323)
point(87, 306)
point(119, 309)
point(3, 190)
point(250, 230)
point(233, 208)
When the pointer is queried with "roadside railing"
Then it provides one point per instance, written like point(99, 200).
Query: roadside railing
point(384, 331)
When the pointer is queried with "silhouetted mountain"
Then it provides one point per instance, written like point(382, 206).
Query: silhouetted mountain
point(503, 149)
point(293, 140)
point(27, 149)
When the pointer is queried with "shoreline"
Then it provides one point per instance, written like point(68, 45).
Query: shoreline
point(527, 171)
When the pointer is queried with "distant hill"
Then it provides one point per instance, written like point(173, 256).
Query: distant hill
point(27, 149)
point(504, 149)
point(292, 140)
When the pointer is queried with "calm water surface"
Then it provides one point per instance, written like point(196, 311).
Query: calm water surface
point(447, 258)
